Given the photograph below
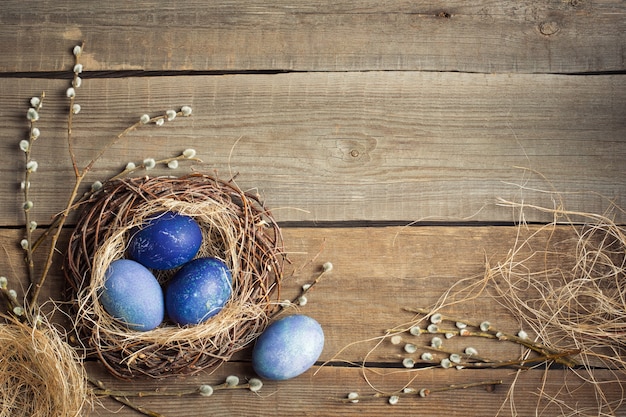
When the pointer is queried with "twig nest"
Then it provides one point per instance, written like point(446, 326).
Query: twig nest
point(236, 228)
point(40, 374)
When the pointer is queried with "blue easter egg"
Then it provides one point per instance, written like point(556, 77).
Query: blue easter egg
point(132, 295)
point(288, 347)
point(198, 291)
point(166, 241)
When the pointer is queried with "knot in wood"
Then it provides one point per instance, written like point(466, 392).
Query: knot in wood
point(549, 28)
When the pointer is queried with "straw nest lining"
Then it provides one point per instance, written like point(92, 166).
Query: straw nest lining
point(236, 228)
point(40, 375)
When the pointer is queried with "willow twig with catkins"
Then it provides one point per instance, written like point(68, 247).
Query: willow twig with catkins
point(40, 374)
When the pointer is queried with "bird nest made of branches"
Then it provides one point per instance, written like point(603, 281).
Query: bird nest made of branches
point(236, 227)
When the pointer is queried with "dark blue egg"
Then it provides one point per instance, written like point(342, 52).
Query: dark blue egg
point(166, 241)
point(288, 347)
point(132, 295)
point(198, 291)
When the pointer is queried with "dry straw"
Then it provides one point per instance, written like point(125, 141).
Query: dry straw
point(236, 227)
point(567, 282)
point(40, 374)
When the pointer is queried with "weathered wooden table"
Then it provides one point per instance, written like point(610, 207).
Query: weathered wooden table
point(381, 134)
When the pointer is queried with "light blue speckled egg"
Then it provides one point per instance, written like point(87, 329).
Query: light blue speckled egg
point(288, 347)
point(132, 295)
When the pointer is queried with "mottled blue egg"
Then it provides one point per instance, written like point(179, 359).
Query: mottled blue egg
point(166, 241)
point(288, 347)
point(198, 291)
point(132, 295)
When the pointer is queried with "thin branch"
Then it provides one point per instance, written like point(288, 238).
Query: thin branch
point(493, 333)
point(231, 382)
point(80, 175)
point(354, 397)
point(55, 238)
point(30, 166)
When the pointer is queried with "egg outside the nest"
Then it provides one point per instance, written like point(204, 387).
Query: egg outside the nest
point(132, 295)
point(198, 291)
point(167, 240)
point(288, 347)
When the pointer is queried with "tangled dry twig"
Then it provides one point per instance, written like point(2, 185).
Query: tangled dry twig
point(237, 228)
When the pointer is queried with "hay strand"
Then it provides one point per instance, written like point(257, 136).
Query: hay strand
point(565, 282)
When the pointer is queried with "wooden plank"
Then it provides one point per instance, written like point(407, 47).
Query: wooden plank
point(401, 264)
point(377, 272)
point(318, 391)
point(455, 35)
point(379, 146)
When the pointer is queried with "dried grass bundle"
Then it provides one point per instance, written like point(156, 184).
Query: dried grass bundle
point(578, 300)
point(236, 227)
point(565, 281)
point(40, 374)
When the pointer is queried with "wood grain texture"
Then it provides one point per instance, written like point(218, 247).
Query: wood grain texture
point(353, 120)
point(317, 393)
point(377, 272)
point(553, 36)
point(376, 146)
